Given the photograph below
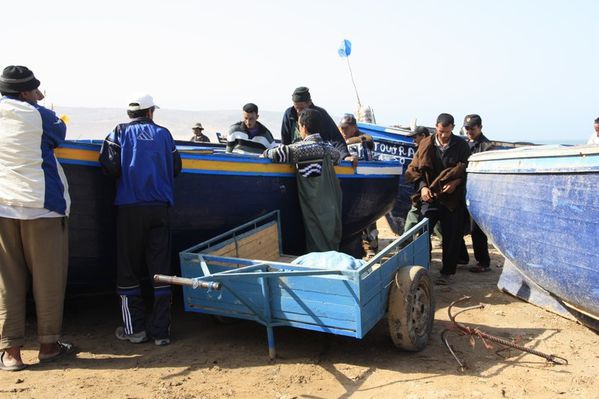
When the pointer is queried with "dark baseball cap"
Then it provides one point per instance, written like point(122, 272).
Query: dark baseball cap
point(348, 119)
point(472, 120)
point(419, 130)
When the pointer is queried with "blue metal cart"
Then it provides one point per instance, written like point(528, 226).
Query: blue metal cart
point(243, 274)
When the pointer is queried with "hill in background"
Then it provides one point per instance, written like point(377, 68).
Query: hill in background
point(96, 123)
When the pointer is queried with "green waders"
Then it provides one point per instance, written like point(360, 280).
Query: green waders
point(320, 201)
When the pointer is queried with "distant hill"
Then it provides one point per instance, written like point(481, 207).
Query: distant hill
point(96, 123)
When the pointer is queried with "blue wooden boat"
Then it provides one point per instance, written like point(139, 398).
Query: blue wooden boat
point(214, 193)
point(540, 208)
point(392, 143)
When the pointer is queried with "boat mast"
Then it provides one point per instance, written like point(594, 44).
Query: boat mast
point(353, 82)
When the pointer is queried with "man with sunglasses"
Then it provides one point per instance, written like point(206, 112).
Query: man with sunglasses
point(477, 141)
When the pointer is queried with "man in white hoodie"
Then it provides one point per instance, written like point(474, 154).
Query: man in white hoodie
point(34, 205)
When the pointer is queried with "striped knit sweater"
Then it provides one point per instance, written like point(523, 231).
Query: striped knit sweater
point(307, 154)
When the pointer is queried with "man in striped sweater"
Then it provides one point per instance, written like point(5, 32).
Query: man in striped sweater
point(249, 136)
point(310, 148)
point(319, 190)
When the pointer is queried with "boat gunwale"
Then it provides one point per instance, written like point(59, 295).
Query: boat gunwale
point(366, 169)
point(535, 152)
point(583, 159)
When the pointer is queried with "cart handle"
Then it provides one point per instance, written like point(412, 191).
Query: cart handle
point(189, 282)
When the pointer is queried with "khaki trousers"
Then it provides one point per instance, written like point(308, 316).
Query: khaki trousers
point(37, 251)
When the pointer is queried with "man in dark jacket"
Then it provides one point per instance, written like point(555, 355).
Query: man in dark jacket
point(439, 169)
point(478, 143)
point(249, 136)
point(143, 157)
point(328, 129)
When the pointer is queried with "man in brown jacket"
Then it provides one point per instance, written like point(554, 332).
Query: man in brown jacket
point(439, 169)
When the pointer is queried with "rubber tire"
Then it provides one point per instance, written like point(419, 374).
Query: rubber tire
point(411, 308)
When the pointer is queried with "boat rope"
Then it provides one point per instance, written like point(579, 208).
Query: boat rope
point(463, 330)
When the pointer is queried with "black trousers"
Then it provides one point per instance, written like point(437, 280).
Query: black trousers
point(143, 250)
point(480, 245)
point(452, 225)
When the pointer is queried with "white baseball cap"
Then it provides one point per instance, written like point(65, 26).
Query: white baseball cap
point(140, 102)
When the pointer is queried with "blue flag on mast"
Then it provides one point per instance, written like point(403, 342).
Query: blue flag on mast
point(345, 48)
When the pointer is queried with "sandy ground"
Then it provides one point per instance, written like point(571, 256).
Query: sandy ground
point(212, 360)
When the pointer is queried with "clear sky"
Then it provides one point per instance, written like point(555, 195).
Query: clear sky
point(529, 68)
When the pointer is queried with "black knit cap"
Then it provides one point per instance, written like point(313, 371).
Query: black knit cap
point(16, 79)
point(301, 94)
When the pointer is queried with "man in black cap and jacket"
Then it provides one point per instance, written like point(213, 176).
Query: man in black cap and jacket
point(478, 143)
point(328, 128)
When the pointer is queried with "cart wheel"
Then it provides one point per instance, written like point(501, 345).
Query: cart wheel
point(411, 308)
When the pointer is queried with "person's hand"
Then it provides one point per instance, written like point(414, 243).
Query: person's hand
point(426, 194)
point(353, 159)
point(450, 186)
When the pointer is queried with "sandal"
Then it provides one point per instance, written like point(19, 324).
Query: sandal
point(14, 367)
point(64, 350)
point(479, 269)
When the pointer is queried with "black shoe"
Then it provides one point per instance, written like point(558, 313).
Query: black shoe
point(479, 269)
point(444, 279)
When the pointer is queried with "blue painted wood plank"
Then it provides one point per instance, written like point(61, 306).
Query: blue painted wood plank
point(320, 328)
point(374, 310)
point(322, 284)
point(300, 295)
point(313, 308)
point(317, 321)
point(415, 253)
